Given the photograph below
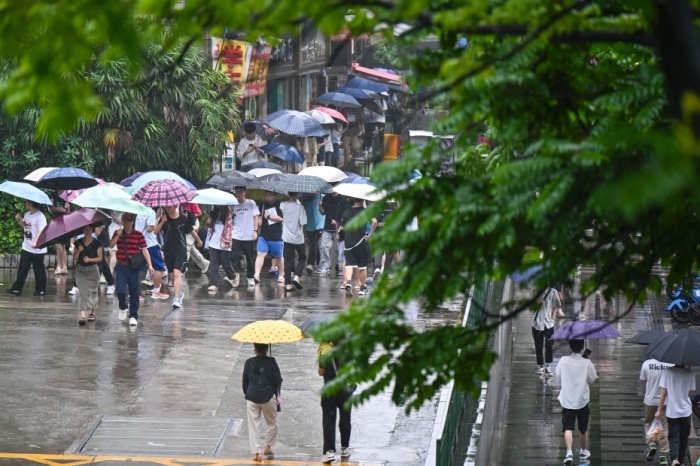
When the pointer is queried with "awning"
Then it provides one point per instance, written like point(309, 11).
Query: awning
point(380, 76)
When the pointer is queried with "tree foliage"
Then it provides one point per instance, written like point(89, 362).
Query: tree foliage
point(591, 107)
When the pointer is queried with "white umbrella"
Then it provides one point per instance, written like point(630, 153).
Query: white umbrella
point(213, 196)
point(323, 118)
point(330, 174)
point(37, 174)
point(25, 191)
point(95, 196)
point(147, 177)
point(366, 192)
point(127, 205)
point(260, 172)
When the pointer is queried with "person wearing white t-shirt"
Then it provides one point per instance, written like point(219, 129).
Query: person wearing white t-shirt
point(649, 377)
point(576, 373)
point(31, 257)
point(294, 215)
point(146, 225)
point(248, 150)
point(677, 386)
point(246, 218)
point(220, 240)
point(543, 328)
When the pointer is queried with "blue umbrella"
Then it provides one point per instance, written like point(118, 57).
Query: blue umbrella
point(25, 191)
point(355, 92)
point(366, 84)
point(283, 152)
point(338, 99)
point(354, 178)
point(66, 178)
point(295, 123)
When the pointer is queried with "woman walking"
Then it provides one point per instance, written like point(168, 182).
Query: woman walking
point(220, 247)
point(88, 257)
point(261, 381)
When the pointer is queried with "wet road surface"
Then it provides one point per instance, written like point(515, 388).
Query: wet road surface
point(63, 386)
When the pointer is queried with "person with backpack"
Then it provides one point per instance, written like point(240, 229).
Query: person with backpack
point(262, 382)
point(543, 328)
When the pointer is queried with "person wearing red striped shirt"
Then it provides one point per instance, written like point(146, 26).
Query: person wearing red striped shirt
point(129, 242)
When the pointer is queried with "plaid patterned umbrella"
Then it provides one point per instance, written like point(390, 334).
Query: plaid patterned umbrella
point(161, 193)
point(295, 123)
point(305, 184)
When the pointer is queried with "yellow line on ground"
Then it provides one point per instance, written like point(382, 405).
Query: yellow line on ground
point(80, 460)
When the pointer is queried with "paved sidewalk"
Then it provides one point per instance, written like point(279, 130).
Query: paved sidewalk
point(532, 431)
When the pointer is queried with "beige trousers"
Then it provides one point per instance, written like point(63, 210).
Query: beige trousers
point(269, 412)
point(649, 412)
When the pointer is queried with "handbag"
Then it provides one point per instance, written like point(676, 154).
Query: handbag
point(135, 261)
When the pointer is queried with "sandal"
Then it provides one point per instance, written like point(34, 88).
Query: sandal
point(268, 453)
point(91, 317)
point(258, 457)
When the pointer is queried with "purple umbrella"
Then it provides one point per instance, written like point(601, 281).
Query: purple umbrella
point(128, 181)
point(69, 225)
point(585, 330)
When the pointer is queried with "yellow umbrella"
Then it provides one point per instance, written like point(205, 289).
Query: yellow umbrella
point(269, 331)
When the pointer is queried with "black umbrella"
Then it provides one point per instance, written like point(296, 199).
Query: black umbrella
point(314, 321)
point(66, 178)
point(646, 337)
point(262, 164)
point(681, 348)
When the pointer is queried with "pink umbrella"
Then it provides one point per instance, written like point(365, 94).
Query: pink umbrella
point(163, 193)
point(69, 225)
point(333, 113)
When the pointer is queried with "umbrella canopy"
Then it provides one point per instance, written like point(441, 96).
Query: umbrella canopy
point(95, 196)
point(366, 192)
point(355, 178)
point(262, 172)
point(305, 184)
point(275, 177)
point(213, 196)
point(313, 322)
point(646, 337)
point(362, 83)
point(283, 152)
point(321, 117)
point(585, 330)
point(126, 205)
point(333, 113)
point(66, 178)
point(162, 193)
point(36, 175)
point(357, 93)
point(681, 348)
point(226, 181)
point(192, 207)
point(268, 332)
point(338, 99)
point(265, 131)
point(25, 191)
point(129, 180)
point(160, 175)
point(69, 225)
point(295, 123)
point(327, 173)
point(261, 164)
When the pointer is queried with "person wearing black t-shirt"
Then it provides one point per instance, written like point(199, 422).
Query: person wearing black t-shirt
point(175, 228)
point(270, 237)
point(357, 252)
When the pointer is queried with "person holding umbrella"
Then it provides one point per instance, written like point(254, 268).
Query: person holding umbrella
point(31, 223)
point(262, 381)
point(129, 242)
point(677, 386)
point(88, 256)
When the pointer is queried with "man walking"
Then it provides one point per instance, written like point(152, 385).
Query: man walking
point(576, 373)
point(650, 376)
point(175, 227)
point(677, 386)
point(246, 217)
point(357, 252)
point(543, 328)
point(333, 408)
point(294, 216)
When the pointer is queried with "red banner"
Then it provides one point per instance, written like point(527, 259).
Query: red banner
point(257, 71)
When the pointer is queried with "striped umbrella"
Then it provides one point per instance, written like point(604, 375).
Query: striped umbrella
point(295, 123)
point(305, 184)
point(162, 193)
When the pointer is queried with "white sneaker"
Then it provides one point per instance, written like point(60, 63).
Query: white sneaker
point(110, 290)
point(376, 274)
point(329, 457)
point(548, 371)
point(584, 454)
point(569, 459)
point(251, 283)
point(229, 281)
point(133, 322)
point(213, 287)
point(345, 453)
point(122, 314)
point(74, 291)
point(103, 280)
point(177, 302)
point(540, 370)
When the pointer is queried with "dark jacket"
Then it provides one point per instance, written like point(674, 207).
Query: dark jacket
point(261, 379)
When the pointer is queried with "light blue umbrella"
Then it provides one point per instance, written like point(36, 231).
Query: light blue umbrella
point(95, 196)
point(147, 177)
point(295, 123)
point(127, 205)
point(283, 152)
point(25, 191)
point(366, 84)
point(338, 99)
point(213, 196)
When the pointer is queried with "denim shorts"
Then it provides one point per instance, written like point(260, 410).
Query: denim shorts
point(274, 248)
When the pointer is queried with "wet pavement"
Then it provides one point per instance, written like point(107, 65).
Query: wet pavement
point(532, 431)
point(169, 391)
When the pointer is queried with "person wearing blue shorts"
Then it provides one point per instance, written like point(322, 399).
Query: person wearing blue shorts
point(270, 236)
